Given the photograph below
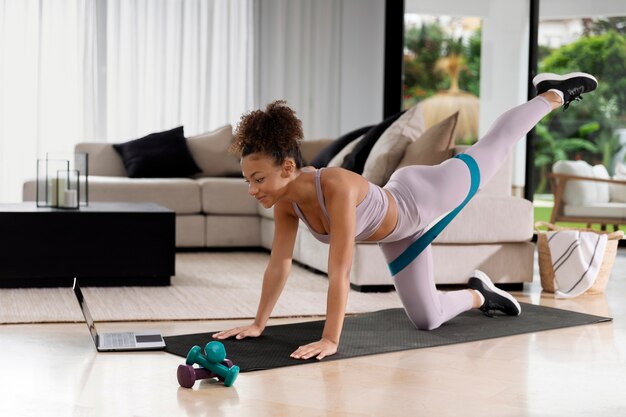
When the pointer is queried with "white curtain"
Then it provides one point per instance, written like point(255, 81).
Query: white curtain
point(299, 53)
point(173, 63)
point(44, 67)
point(88, 70)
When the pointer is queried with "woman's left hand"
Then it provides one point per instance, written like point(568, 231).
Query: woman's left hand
point(322, 348)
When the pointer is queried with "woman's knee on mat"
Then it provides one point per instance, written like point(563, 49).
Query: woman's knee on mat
point(426, 320)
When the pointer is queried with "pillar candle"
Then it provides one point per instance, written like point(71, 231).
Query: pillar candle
point(70, 199)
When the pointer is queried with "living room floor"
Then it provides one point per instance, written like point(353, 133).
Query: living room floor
point(54, 370)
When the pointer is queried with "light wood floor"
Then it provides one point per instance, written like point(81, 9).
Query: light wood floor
point(54, 370)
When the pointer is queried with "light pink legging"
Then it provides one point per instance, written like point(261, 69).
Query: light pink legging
point(424, 193)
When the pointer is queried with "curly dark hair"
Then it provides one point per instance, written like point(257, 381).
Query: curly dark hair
point(275, 131)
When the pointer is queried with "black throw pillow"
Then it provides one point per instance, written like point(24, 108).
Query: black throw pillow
point(329, 151)
point(355, 160)
point(158, 155)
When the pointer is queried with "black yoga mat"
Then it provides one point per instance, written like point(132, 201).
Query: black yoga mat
point(379, 332)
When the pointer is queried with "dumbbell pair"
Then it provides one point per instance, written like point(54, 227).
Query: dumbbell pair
point(188, 375)
point(213, 364)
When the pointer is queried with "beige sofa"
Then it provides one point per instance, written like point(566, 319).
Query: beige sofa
point(492, 233)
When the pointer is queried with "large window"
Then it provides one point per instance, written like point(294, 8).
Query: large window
point(593, 129)
point(442, 70)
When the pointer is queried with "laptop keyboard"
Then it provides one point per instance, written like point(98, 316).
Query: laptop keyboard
point(118, 340)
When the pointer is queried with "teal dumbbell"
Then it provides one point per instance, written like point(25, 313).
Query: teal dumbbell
point(215, 353)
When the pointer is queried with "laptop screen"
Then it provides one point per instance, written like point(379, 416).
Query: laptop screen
point(85, 310)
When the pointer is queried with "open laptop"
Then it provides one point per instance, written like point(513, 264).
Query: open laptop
point(107, 342)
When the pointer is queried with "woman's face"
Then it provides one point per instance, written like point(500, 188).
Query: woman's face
point(266, 180)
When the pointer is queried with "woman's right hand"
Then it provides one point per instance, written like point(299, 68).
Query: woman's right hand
point(240, 332)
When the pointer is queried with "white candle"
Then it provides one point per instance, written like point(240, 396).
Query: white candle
point(70, 199)
point(56, 191)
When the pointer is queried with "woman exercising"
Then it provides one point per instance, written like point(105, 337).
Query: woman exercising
point(340, 207)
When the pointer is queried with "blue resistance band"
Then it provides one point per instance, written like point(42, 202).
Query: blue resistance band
point(431, 234)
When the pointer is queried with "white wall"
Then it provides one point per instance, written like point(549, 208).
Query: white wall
point(326, 58)
point(362, 63)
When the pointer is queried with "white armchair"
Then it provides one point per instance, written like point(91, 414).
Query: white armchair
point(586, 194)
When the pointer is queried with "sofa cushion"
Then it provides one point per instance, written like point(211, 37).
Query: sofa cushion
point(600, 210)
point(210, 150)
point(324, 157)
point(355, 160)
point(602, 188)
point(158, 155)
point(226, 196)
point(337, 160)
point(179, 194)
point(311, 148)
point(580, 193)
point(618, 191)
point(434, 146)
point(103, 159)
point(390, 147)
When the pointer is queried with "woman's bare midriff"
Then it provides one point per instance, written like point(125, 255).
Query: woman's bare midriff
point(389, 222)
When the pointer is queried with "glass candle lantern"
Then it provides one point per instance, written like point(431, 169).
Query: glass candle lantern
point(62, 180)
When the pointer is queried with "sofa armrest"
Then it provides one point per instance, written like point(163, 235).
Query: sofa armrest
point(567, 177)
point(103, 159)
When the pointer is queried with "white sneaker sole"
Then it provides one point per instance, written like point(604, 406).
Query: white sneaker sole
point(485, 279)
point(548, 76)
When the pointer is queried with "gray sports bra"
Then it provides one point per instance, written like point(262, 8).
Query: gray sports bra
point(370, 212)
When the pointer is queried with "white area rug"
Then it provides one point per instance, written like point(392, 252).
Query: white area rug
point(222, 285)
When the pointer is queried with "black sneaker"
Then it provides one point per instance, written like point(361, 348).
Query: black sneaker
point(572, 85)
point(495, 299)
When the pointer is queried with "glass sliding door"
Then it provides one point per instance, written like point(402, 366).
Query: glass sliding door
point(576, 35)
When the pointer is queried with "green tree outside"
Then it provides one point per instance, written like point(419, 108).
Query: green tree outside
point(424, 45)
point(603, 55)
point(562, 135)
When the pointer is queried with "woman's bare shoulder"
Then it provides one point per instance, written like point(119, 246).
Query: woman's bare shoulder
point(344, 182)
point(343, 175)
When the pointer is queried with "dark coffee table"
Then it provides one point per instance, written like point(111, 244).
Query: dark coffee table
point(103, 244)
